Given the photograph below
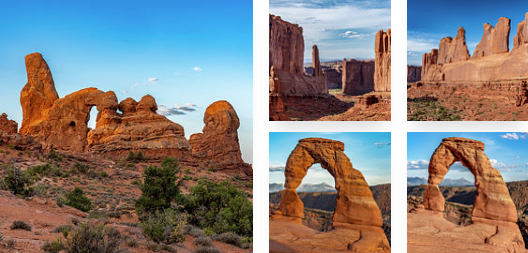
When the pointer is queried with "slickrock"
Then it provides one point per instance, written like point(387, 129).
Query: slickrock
point(39, 93)
point(494, 216)
point(286, 57)
point(382, 70)
point(218, 144)
point(358, 76)
point(8, 126)
point(357, 218)
point(492, 200)
point(414, 73)
point(453, 50)
point(495, 39)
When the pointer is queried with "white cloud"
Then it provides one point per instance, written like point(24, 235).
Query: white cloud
point(510, 136)
point(276, 168)
point(352, 35)
point(417, 165)
point(197, 69)
point(176, 109)
point(152, 79)
point(383, 144)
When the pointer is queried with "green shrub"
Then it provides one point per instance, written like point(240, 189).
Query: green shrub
point(77, 200)
point(54, 155)
point(159, 187)
point(53, 247)
point(164, 226)
point(80, 167)
point(18, 224)
point(62, 229)
point(18, 181)
point(220, 207)
point(132, 157)
point(91, 238)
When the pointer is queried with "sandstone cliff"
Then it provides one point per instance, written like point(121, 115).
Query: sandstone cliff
point(382, 71)
point(358, 76)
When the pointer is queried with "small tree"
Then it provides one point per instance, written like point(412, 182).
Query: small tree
point(159, 187)
point(77, 200)
point(18, 181)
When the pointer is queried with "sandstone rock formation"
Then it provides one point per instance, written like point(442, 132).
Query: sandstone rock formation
point(453, 50)
point(382, 71)
point(492, 200)
point(493, 225)
point(332, 70)
point(39, 93)
point(357, 218)
point(491, 61)
point(8, 126)
point(495, 40)
point(316, 64)
point(218, 144)
point(354, 203)
point(286, 57)
point(358, 76)
point(414, 73)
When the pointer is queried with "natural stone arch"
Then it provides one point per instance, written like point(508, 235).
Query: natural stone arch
point(492, 198)
point(354, 202)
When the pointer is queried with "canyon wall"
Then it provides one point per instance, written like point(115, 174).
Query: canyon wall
point(414, 73)
point(286, 49)
point(491, 61)
point(358, 76)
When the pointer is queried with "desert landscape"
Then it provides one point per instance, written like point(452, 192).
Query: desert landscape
point(489, 85)
point(134, 183)
point(461, 216)
point(323, 218)
point(348, 90)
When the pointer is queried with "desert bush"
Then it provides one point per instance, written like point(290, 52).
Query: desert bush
point(18, 181)
point(164, 226)
point(18, 224)
point(91, 238)
point(11, 243)
point(229, 238)
point(54, 155)
point(203, 241)
point(194, 231)
point(220, 207)
point(64, 229)
point(77, 200)
point(53, 247)
point(159, 187)
point(205, 249)
point(80, 167)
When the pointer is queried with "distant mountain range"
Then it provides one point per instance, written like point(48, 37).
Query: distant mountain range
point(322, 187)
point(461, 182)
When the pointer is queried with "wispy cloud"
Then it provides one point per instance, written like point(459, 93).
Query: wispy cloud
point(424, 165)
point(276, 168)
point(197, 69)
point(383, 144)
point(510, 136)
point(152, 79)
point(176, 109)
point(352, 35)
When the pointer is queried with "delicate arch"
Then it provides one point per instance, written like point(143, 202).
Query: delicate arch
point(354, 202)
point(492, 198)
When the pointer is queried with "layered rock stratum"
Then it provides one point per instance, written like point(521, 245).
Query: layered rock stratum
point(357, 218)
point(382, 70)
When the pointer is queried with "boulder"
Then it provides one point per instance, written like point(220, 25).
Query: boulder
point(382, 70)
point(8, 126)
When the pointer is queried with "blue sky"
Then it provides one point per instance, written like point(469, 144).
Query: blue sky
point(429, 21)
point(508, 152)
point(187, 54)
point(340, 28)
point(369, 153)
